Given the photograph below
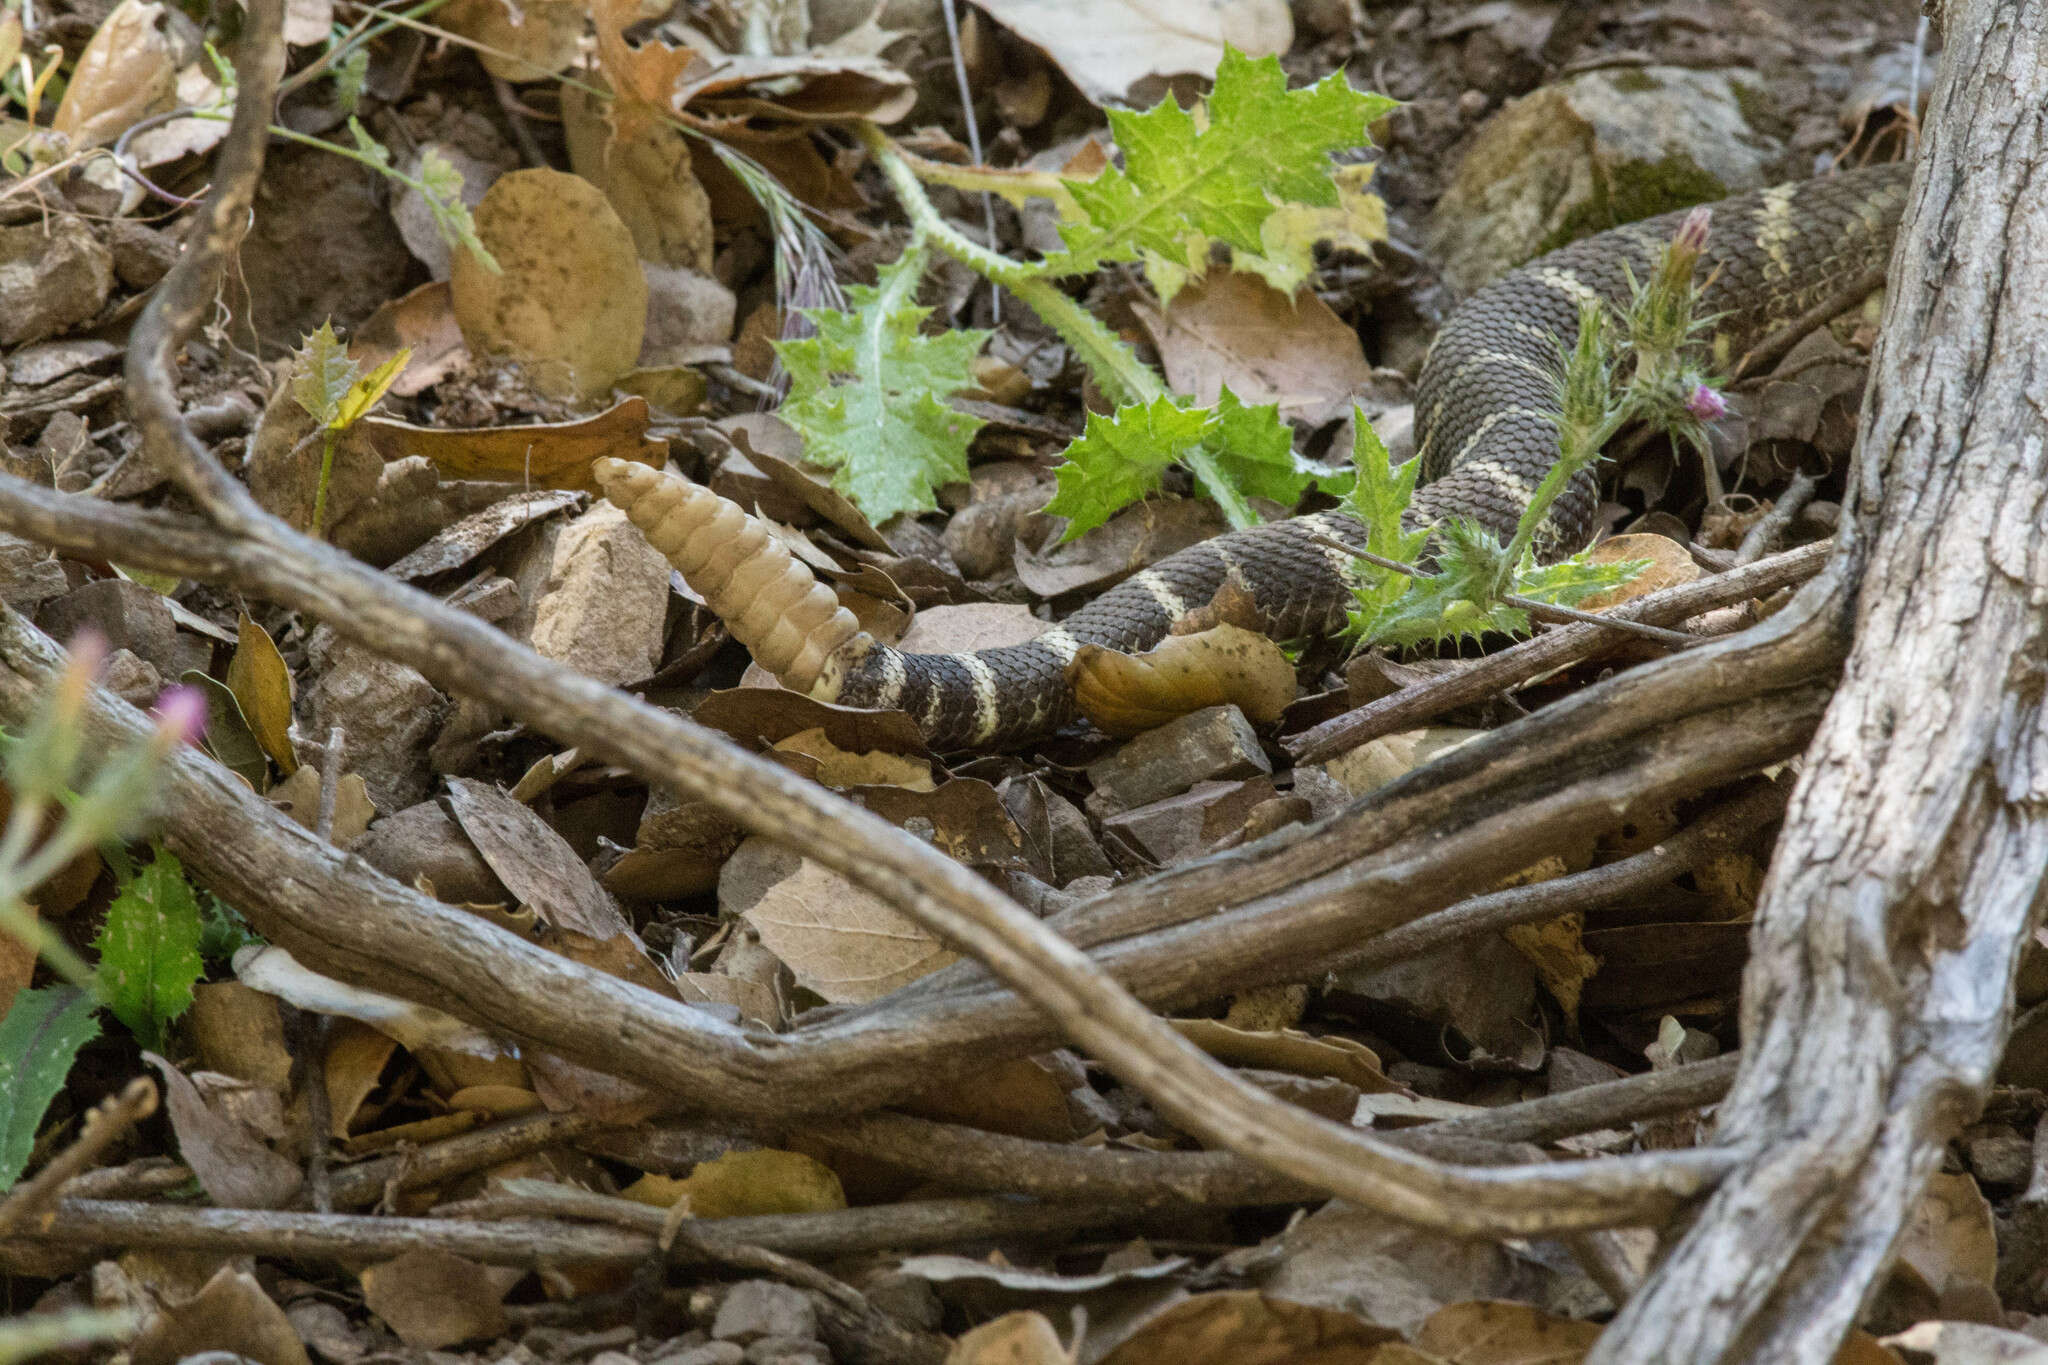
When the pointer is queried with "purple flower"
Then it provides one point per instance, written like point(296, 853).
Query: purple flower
point(180, 715)
point(1706, 404)
point(1692, 233)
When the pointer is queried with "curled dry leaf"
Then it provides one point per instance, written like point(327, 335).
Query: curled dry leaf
point(569, 302)
point(231, 1315)
point(1230, 328)
point(1244, 1327)
point(126, 73)
point(533, 455)
point(743, 1184)
point(646, 173)
point(1667, 564)
point(262, 683)
point(1289, 1050)
point(274, 971)
point(1125, 694)
point(811, 753)
point(535, 863)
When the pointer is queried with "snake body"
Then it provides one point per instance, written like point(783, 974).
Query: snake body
point(1483, 431)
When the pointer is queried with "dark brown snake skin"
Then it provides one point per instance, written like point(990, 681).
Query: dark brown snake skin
point(1482, 434)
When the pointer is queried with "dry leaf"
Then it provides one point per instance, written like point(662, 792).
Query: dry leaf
point(1107, 46)
point(421, 321)
point(231, 1314)
point(1555, 948)
point(533, 455)
point(468, 539)
point(535, 863)
point(1951, 1236)
point(434, 1299)
point(274, 971)
point(832, 766)
point(239, 1032)
point(299, 797)
point(529, 40)
point(1488, 1333)
point(1243, 1327)
point(1126, 694)
point(748, 999)
point(648, 176)
point(1230, 328)
point(1012, 1339)
point(1021, 1097)
point(1289, 1050)
point(126, 73)
point(840, 941)
point(237, 1169)
point(262, 683)
point(1669, 564)
point(765, 1180)
point(356, 1057)
point(570, 303)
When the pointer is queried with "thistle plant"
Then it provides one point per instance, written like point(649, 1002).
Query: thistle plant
point(1642, 367)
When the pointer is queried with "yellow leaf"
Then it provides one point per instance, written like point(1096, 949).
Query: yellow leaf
point(764, 1181)
point(656, 1190)
point(365, 393)
point(262, 685)
point(1128, 693)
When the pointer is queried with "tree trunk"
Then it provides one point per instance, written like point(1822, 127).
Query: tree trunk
point(1911, 868)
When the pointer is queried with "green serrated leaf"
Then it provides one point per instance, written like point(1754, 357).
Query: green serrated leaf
point(222, 931)
point(1254, 450)
point(40, 1034)
point(149, 949)
point(351, 78)
point(322, 375)
point(1118, 459)
point(367, 145)
point(1216, 173)
point(868, 392)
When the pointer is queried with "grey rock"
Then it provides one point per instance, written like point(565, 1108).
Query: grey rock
point(1214, 743)
point(787, 1351)
point(141, 254)
point(709, 1353)
point(1184, 826)
point(424, 841)
point(2001, 1158)
point(29, 573)
point(54, 275)
point(907, 1298)
point(1601, 148)
point(129, 615)
point(135, 681)
point(390, 714)
point(1057, 830)
point(755, 1309)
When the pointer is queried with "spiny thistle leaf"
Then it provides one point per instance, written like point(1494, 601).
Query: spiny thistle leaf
point(322, 375)
point(867, 394)
point(1118, 459)
point(1216, 173)
point(149, 949)
point(1254, 450)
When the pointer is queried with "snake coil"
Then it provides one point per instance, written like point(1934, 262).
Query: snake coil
point(1484, 432)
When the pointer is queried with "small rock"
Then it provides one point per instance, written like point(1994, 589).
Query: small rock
point(754, 1309)
point(389, 712)
point(424, 841)
point(2003, 1158)
point(29, 573)
point(907, 1298)
point(1214, 743)
point(142, 255)
point(605, 604)
point(54, 275)
point(133, 680)
point(709, 1353)
point(689, 316)
point(787, 1351)
point(45, 362)
point(129, 615)
point(1570, 1070)
point(1183, 827)
point(1057, 828)
point(1585, 154)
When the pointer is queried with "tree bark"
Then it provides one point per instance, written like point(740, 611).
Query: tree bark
point(1911, 868)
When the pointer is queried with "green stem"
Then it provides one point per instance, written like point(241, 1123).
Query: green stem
point(1123, 378)
point(320, 489)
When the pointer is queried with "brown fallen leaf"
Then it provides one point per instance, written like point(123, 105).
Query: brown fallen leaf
point(1107, 46)
point(237, 1169)
point(534, 454)
point(1021, 1338)
point(535, 863)
point(1951, 1236)
point(527, 41)
point(569, 302)
point(647, 175)
point(813, 754)
point(231, 1314)
point(262, 683)
point(1666, 563)
point(744, 1184)
point(434, 1299)
point(1022, 1097)
point(1231, 328)
point(421, 321)
point(1483, 1332)
point(1289, 1050)
point(1126, 694)
point(126, 73)
point(841, 942)
point(1245, 1327)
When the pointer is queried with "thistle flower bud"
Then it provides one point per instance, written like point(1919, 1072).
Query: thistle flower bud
point(1706, 404)
point(180, 717)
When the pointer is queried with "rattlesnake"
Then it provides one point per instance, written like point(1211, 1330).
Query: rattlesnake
point(1484, 435)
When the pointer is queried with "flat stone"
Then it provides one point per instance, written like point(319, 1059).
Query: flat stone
point(389, 713)
point(709, 1353)
point(605, 602)
point(1587, 153)
point(754, 1309)
point(29, 573)
point(424, 841)
point(54, 276)
point(142, 255)
point(1211, 744)
point(1183, 827)
point(2000, 1158)
point(129, 615)
point(787, 1351)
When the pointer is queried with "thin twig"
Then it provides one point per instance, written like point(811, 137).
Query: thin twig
point(1770, 528)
